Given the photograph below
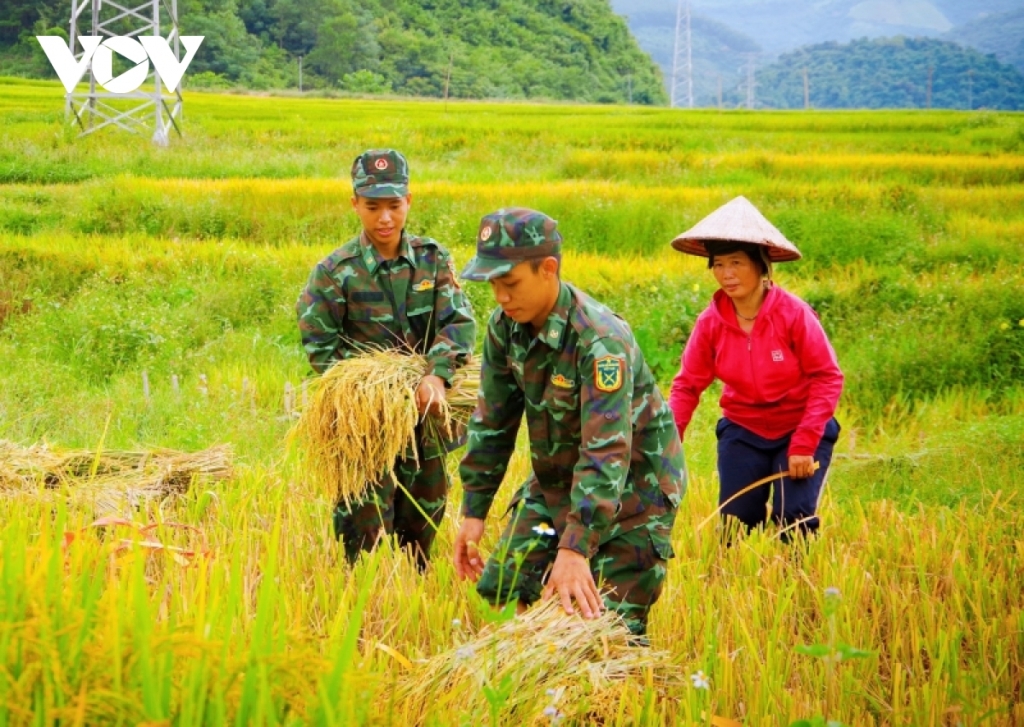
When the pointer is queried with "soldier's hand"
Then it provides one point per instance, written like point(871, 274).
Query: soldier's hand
point(801, 467)
point(429, 394)
point(468, 561)
point(572, 580)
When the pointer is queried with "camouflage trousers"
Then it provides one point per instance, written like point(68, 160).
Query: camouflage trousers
point(629, 569)
point(386, 509)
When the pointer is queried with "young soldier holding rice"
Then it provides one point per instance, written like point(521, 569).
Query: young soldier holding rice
point(389, 288)
point(608, 474)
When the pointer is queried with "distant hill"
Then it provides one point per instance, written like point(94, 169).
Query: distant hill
point(550, 49)
point(964, 11)
point(889, 73)
point(1001, 34)
point(718, 51)
point(783, 25)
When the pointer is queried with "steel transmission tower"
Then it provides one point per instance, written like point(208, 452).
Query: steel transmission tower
point(682, 58)
point(141, 111)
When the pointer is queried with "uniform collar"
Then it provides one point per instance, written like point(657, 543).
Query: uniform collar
point(373, 260)
point(558, 319)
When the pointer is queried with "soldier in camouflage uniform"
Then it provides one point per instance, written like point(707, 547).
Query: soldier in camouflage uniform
point(608, 471)
point(388, 288)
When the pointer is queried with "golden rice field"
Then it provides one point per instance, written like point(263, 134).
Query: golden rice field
point(147, 302)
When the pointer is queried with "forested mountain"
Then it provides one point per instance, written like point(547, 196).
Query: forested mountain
point(551, 49)
point(1001, 34)
point(889, 73)
point(728, 36)
point(782, 25)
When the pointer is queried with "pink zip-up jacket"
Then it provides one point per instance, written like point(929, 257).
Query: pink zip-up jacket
point(781, 378)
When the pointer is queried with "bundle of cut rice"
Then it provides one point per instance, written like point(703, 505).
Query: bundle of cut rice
point(362, 417)
point(111, 478)
point(557, 666)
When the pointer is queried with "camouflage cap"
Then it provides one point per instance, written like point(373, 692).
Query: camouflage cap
point(511, 236)
point(380, 173)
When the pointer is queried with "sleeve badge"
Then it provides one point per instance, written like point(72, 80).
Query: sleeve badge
point(608, 373)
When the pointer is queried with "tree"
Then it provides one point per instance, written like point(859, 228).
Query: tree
point(345, 44)
point(891, 73)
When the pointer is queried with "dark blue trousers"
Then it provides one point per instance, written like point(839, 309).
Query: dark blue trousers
point(744, 458)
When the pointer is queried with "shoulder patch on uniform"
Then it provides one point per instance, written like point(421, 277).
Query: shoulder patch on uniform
point(608, 373)
point(561, 382)
point(423, 285)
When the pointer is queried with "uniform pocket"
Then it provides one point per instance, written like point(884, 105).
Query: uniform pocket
point(661, 542)
point(420, 304)
point(556, 426)
point(560, 400)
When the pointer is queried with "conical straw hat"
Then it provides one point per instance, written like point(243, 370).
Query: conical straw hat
point(737, 221)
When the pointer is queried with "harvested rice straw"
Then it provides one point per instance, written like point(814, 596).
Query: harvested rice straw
point(164, 470)
point(113, 480)
point(362, 416)
point(542, 652)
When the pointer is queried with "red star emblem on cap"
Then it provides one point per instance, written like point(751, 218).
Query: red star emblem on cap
point(381, 164)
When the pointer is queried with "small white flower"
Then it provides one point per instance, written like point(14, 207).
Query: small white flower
point(832, 592)
point(464, 652)
point(552, 713)
point(700, 680)
point(456, 623)
point(550, 692)
point(545, 530)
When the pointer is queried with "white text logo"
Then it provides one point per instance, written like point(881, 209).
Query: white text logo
point(140, 51)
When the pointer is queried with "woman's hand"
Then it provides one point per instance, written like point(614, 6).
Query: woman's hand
point(801, 467)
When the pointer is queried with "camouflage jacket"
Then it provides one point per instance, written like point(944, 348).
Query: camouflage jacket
point(355, 298)
point(605, 450)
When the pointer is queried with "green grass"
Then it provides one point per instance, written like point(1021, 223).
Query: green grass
point(118, 258)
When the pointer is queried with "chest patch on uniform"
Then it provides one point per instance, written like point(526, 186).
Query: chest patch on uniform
point(608, 373)
point(776, 356)
point(423, 285)
point(561, 382)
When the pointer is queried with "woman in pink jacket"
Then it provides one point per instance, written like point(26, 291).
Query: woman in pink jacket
point(781, 381)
